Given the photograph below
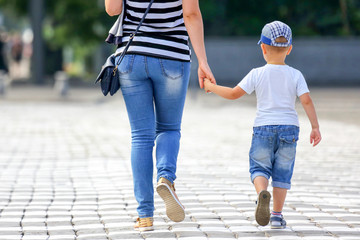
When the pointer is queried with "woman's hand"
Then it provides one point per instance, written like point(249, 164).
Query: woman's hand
point(204, 71)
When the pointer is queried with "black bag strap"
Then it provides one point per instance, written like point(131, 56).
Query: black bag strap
point(132, 35)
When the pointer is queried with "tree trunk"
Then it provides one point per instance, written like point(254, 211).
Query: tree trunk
point(37, 63)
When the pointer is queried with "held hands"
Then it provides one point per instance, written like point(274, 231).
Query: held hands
point(204, 71)
point(315, 137)
point(207, 85)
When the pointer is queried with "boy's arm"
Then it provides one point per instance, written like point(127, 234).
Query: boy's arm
point(307, 103)
point(225, 92)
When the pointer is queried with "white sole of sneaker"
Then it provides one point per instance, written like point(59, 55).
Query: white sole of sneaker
point(262, 212)
point(280, 227)
point(144, 229)
point(174, 210)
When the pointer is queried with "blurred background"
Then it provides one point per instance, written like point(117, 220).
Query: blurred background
point(48, 42)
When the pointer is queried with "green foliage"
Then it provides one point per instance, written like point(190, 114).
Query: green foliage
point(306, 17)
point(68, 22)
point(85, 23)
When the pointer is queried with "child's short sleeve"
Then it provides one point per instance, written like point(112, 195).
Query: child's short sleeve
point(301, 86)
point(248, 82)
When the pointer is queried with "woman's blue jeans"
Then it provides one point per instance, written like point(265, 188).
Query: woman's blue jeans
point(154, 91)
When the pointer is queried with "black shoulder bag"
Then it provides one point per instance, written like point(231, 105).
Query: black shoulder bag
point(109, 74)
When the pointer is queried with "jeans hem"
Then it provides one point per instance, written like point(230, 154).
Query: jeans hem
point(146, 215)
point(166, 177)
point(281, 185)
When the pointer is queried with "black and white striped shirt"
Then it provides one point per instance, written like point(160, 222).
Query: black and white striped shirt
point(162, 34)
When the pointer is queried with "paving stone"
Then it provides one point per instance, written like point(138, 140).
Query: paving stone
point(319, 237)
point(158, 234)
point(62, 237)
point(93, 236)
point(349, 238)
point(63, 230)
point(10, 222)
point(285, 238)
point(56, 185)
point(216, 232)
point(192, 238)
point(252, 238)
point(10, 237)
point(185, 225)
point(35, 237)
point(10, 230)
point(188, 232)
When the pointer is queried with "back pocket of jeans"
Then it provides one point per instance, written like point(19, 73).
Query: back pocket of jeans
point(171, 68)
point(126, 64)
point(289, 139)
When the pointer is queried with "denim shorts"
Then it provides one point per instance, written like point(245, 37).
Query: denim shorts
point(272, 153)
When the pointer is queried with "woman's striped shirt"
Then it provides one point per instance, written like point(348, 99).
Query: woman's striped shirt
point(162, 34)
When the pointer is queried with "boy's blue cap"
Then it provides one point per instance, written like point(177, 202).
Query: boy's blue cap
point(272, 31)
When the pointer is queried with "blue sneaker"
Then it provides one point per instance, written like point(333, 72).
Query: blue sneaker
point(277, 222)
point(262, 212)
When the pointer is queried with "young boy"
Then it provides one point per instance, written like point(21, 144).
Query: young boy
point(276, 126)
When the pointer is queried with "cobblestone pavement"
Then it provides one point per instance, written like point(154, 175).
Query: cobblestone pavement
point(65, 172)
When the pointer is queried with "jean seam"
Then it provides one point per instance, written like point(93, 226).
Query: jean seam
point(146, 67)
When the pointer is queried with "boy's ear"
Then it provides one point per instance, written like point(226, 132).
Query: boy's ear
point(263, 48)
point(289, 50)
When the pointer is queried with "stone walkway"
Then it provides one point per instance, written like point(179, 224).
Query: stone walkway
point(65, 172)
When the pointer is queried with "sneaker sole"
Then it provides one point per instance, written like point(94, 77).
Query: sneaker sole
point(174, 209)
point(280, 227)
point(144, 229)
point(262, 212)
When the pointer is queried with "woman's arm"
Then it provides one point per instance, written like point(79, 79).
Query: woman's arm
point(194, 26)
point(113, 7)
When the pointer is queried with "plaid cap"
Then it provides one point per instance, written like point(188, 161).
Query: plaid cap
point(272, 31)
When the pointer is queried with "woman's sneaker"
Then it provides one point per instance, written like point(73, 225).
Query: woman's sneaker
point(277, 222)
point(262, 212)
point(174, 209)
point(144, 224)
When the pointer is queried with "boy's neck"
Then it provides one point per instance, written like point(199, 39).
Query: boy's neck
point(276, 62)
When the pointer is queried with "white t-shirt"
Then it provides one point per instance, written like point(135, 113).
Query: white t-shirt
point(276, 88)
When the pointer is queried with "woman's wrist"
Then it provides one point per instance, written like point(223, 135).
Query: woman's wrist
point(203, 62)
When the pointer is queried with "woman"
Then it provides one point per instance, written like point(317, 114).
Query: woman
point(154, 77)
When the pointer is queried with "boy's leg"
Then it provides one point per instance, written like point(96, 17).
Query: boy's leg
point(282, 171)
point(261, 183)
point(277, 220)
point(279, 195)
point(261, 155)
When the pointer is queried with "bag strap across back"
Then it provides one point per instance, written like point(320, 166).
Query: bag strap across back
point(132, 35)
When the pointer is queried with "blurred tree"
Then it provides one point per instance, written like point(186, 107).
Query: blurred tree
point(306, 17)
point(73, 24)
point(79, 22)
point(81, 25)
point(69, 22)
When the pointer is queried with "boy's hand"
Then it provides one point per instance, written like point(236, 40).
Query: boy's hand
point(315, 137)
point(207, 84)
